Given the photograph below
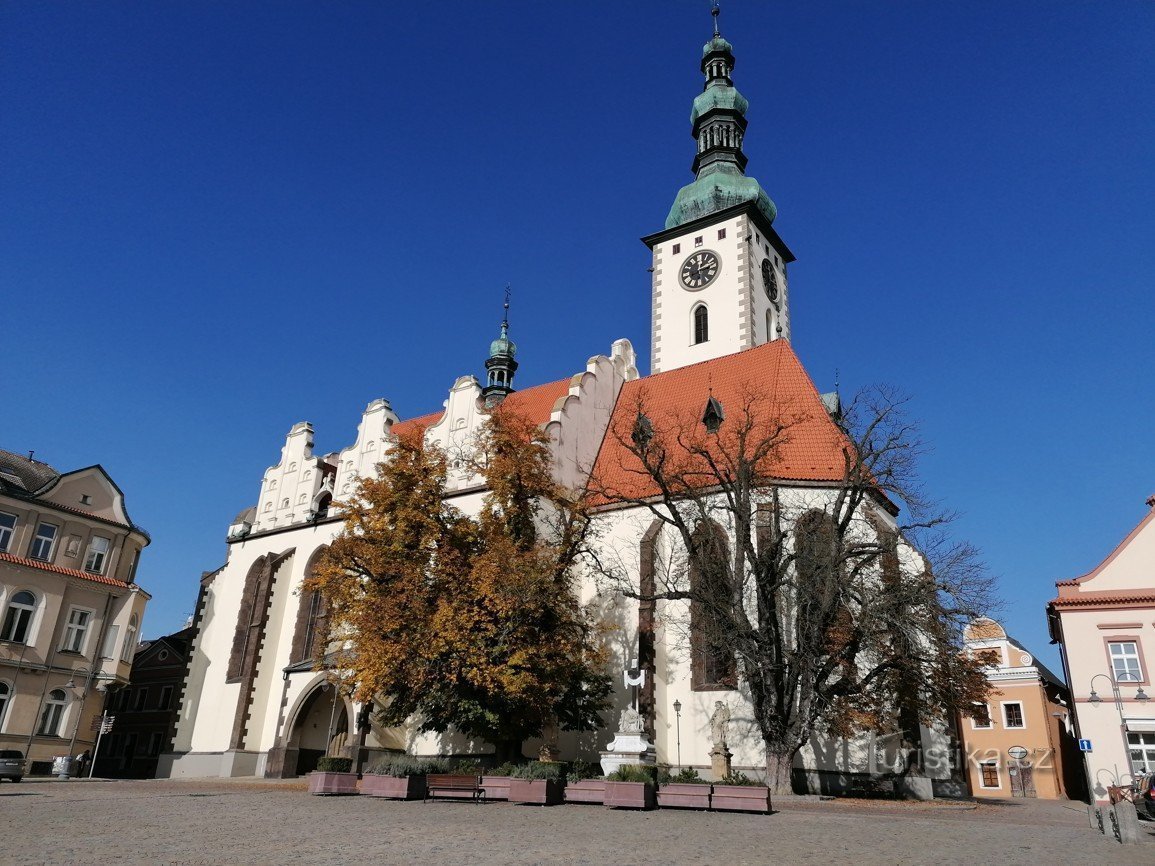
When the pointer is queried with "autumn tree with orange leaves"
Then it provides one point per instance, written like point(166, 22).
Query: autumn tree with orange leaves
point(467, 623)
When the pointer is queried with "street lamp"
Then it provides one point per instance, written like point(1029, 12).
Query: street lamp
point(1094, 699)
point(678, 722)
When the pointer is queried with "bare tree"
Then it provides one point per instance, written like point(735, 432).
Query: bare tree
point(801, 584)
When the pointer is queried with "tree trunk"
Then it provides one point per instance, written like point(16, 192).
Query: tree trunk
point(779, 771)
point(507, 752)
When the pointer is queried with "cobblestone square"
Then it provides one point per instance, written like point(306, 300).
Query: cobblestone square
point(248, 821)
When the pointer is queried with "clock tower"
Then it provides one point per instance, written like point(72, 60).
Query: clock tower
point(719, 268)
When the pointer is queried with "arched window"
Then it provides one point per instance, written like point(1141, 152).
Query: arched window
point(18, 617)
point(321, 509)
point(53, 713)
point(701, 324)
point(712, 664)
point(284, 503)
point(769, 325)
point(5, 696)
point(311, 635)
point(129, 648)
point(817, 588)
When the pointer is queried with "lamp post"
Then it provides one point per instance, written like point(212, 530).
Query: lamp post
point(678, 722)
point(1094, 699)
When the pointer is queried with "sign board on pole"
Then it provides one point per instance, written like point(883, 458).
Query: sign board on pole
point(107, 726)
point(1084, 745)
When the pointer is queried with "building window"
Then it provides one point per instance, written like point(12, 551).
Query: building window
point(721, 234)
point(677, 248)
point(85, 499)
point(712, 664)
point(1125, 661)
point(97, 554)
point(1013, 715)
point(154, 743)
point(77, 630)
point(135, 562)
point(165, 698)
point(44, 542)
point(981, 716)
point(7, 529)
point(110, 642)
point(129, 640)
point(18, 617)
point(1141, 746)
point(52, 713)
point(139, 699)
point(989, 774)
point(701, 324)
point(698, 241)
point(5, 694)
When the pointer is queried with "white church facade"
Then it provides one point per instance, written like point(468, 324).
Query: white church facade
point(253, 704)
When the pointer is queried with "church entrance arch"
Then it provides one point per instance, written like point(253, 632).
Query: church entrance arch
point(319, 726)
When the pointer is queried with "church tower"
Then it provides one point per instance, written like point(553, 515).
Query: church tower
point(719, 268)
point(500, 365)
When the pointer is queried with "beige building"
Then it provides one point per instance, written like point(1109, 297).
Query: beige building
point(1105, 622)
point(1018, 743)
point(70, 610)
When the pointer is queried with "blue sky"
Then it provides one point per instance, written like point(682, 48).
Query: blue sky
point(221, 218)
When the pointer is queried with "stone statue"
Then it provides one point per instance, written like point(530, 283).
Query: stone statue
point(631, 722)
point(718, 723)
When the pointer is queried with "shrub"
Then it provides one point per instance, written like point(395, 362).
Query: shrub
point(506, 769)
point(579, 770)
point(538, 770)
point(330, 764)
point(465, 765)
point(407, 765)
point(632, 773)
point(685, 776)
point(734, 777)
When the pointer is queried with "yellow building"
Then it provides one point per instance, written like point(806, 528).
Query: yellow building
point(70, 610)
point(1018, 743)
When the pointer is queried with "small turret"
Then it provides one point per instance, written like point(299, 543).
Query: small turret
point(500, 365)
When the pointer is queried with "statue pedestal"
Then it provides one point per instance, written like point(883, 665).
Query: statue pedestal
point(627, 748)
point(720, 762)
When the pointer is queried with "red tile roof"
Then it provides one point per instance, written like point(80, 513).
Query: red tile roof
point(60, 569)
point(766, 385)
point(534, 404)
point(1105, 598)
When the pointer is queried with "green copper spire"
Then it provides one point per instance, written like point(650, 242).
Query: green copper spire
point(718, 124)
point(500, 365)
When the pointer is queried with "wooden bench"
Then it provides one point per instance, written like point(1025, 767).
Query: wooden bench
point(455, 786)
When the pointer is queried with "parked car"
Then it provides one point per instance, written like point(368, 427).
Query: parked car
point(11, 764)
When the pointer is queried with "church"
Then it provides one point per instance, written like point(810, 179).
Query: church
point(253, 703)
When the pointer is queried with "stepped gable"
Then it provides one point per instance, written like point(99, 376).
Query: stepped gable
point(535, 404)
point(769, 379)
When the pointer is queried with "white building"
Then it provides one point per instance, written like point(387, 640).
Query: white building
point(720, 323)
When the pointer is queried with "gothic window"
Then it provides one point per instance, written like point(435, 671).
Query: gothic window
point(769, 325)
point(52, 713)
point(18, 617)
point(322, 507)
point(712, 664)
point(245, 616)
point(701, 324)
point(817, 588)
point(312, 630)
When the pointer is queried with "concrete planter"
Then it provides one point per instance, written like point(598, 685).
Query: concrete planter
point(393, 787)
point(325, 782)
point(586, 791)
point(741, 798)
point(684, 795)
point(540, 792)
point(630, 795)
point(496, 787)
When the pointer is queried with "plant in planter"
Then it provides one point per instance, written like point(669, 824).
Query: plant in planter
point(737, 792)
point(584, 783)
point(685, 790)
point(496, 782)
point(631, 787)
point(399, 777)
point(332, 776)
point(538, 782)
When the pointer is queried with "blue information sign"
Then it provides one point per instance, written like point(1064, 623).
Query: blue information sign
point(1084, 745)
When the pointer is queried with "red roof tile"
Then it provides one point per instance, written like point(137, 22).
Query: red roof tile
point(60, 569)
point(1105, 598)
point(534, 404)
point(766, 384)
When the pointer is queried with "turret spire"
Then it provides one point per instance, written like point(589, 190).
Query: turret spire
point(500, 365)
point(718, 124)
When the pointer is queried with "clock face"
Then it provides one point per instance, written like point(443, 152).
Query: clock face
point(699, 270)
point(769, 280)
